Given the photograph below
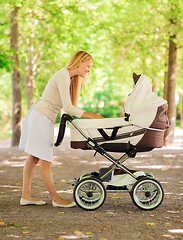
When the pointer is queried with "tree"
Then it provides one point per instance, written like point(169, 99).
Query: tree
point(172, 72)
point(122, 36)
point(16, 81)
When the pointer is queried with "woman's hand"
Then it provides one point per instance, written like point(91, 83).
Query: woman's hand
point(91, 115)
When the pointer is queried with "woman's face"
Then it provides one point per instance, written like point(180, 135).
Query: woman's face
point(84, 68)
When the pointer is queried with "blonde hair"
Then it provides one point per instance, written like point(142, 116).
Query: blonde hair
point(75, 86)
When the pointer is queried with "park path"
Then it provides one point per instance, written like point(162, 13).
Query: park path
point(117, 219)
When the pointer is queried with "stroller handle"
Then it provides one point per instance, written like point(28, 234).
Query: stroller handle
point(64, 119)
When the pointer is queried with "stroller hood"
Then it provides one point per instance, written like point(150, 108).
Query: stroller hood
point(147, 118)
point(141, 105)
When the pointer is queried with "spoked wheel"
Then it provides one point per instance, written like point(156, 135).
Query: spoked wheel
point(89, 193)
point(147, 193)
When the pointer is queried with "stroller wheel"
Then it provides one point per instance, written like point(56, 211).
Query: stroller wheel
point(89, 193)
point(147, 193)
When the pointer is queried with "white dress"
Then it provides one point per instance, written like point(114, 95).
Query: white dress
point(38, 135)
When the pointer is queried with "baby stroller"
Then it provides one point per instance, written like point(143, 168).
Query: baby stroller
point(141, 130)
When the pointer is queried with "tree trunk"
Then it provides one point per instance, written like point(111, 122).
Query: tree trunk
point(155, 85)
point(29, 85)
point(172, 70)
point(16, 81)
point(31, 67)
point(166, 74)
point(166, 83)
point(181, 110)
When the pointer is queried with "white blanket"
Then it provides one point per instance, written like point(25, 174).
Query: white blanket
point(142, 103)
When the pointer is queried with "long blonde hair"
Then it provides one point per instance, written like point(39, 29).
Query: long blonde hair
point(75, 86)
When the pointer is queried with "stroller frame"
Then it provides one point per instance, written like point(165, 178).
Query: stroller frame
point(90, 193)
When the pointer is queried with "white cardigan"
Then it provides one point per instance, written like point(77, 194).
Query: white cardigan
point(56, 95)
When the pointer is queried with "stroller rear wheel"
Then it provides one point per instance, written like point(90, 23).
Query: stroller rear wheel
point(89, 193)
point(147, 193)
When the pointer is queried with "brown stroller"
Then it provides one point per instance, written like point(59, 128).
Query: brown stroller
point(141, 130)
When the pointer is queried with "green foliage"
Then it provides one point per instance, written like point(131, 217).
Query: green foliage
point(5, 61)
point(122, 36)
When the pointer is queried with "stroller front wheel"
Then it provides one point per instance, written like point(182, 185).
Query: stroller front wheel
point(89, 193)
point(147, 193)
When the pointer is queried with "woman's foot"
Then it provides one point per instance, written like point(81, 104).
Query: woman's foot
point(31, 201)
point(62, 203)
point(72, 204)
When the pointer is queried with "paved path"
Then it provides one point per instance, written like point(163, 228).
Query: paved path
point(117, 219)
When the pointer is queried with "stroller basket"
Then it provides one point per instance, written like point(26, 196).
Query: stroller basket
point(120, 141)
point(115, 137)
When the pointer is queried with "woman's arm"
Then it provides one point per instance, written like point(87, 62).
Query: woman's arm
point(91, 115)
point(63, 84)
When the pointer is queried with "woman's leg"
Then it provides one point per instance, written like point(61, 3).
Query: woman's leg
point(28, 172)
point(45, 169)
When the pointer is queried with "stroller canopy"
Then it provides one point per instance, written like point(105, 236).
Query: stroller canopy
point(142, 103)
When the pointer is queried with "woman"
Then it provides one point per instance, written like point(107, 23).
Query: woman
point(62, 91)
